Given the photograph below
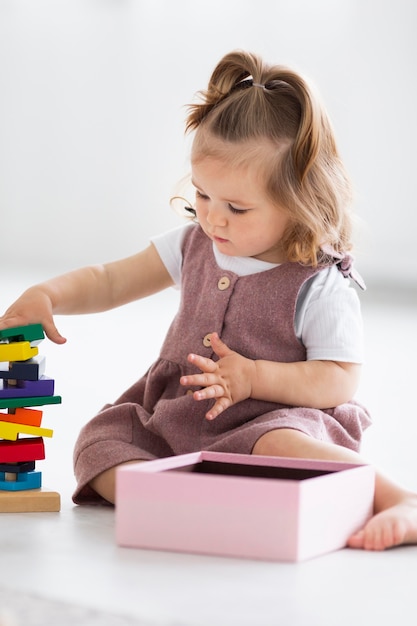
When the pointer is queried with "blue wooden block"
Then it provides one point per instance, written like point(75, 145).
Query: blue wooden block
point(24, 480)
point(27, 388)
point(32, 369)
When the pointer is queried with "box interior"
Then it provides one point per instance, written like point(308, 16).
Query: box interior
point(251, 471)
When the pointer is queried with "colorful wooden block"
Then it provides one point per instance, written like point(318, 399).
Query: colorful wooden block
point(27, 466)
point(31, 333)
point(23, 384)
point(30, 501)
point(10, 431)
point(11, 403)
point(19, 351)
point(31, 417)
point(30, 449)
point(27, 388)
point(269, 508)
point(32, 369)
point(20, 482)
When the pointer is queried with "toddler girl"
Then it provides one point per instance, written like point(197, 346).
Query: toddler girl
point(264, 354)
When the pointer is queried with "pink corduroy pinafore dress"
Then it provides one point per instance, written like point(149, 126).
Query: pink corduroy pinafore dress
point(157, 417)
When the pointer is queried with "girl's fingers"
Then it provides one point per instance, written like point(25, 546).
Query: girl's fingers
point(219, 347)
point(214, 391)
point(202, 362)
point(53, 334)
point(199, 380)
point(221, 405)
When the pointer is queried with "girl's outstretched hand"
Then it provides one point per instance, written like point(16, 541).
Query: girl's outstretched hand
point(33, 307)
point(228, 380)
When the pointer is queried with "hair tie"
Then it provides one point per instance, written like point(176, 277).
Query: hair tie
point(258, 85)
point(344, 263)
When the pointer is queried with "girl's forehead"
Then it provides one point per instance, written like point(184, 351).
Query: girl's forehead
point(242, 184)
point(225, 168)
point(254, 154)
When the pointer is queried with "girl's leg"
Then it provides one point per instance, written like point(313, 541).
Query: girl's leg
point(395, 509)
point(105, 483)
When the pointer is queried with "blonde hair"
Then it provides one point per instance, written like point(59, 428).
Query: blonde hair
point(250, 101)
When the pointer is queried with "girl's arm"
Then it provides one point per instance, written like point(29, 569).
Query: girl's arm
point(315, 384)
point(233, 378)
point(89, 290)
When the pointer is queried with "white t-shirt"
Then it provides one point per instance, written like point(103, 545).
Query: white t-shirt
point(328, 319)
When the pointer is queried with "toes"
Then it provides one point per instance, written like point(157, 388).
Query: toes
point(378, 537)
point(372, 537)
point(356, 540)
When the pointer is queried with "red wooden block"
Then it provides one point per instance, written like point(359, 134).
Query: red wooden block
point(29, 449)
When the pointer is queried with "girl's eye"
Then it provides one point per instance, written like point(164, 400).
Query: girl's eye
point(236, 211)
point(202, 196)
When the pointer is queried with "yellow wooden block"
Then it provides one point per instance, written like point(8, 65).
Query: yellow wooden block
point(17, 351)
point(30, 501)
point(10, 431)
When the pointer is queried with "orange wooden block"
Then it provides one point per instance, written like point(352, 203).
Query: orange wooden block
point(30, 417)
point(30, 501)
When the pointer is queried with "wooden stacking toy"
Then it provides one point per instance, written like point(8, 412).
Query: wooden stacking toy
point(23, 385)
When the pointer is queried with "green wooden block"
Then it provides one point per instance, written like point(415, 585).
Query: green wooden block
point(31, 332)
point(13, 403)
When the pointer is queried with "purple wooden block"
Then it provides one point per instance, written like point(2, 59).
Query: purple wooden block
point(27, 388)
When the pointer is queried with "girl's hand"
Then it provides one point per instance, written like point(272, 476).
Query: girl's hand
point(229, 379)
point(33, 307)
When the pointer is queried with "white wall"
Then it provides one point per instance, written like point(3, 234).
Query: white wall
point(92, 96)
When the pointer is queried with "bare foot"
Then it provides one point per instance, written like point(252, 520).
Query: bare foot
point(394, 526)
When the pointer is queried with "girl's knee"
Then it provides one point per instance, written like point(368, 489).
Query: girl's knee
point(279, 442)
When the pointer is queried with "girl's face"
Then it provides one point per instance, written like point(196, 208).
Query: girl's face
point(234, 211)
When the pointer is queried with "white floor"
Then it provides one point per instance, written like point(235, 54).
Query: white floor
point(72, 556)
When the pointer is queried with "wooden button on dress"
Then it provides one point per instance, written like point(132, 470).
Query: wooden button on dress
point(224, 283)
point(207, 340)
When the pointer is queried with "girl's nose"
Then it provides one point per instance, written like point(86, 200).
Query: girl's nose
point(216, 216)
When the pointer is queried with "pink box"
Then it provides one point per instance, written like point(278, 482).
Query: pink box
point(268, 508)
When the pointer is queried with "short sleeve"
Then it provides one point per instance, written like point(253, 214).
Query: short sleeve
point(328, 318)
point(169, 248)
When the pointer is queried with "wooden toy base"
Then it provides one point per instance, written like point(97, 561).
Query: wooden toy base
point(30, 501)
